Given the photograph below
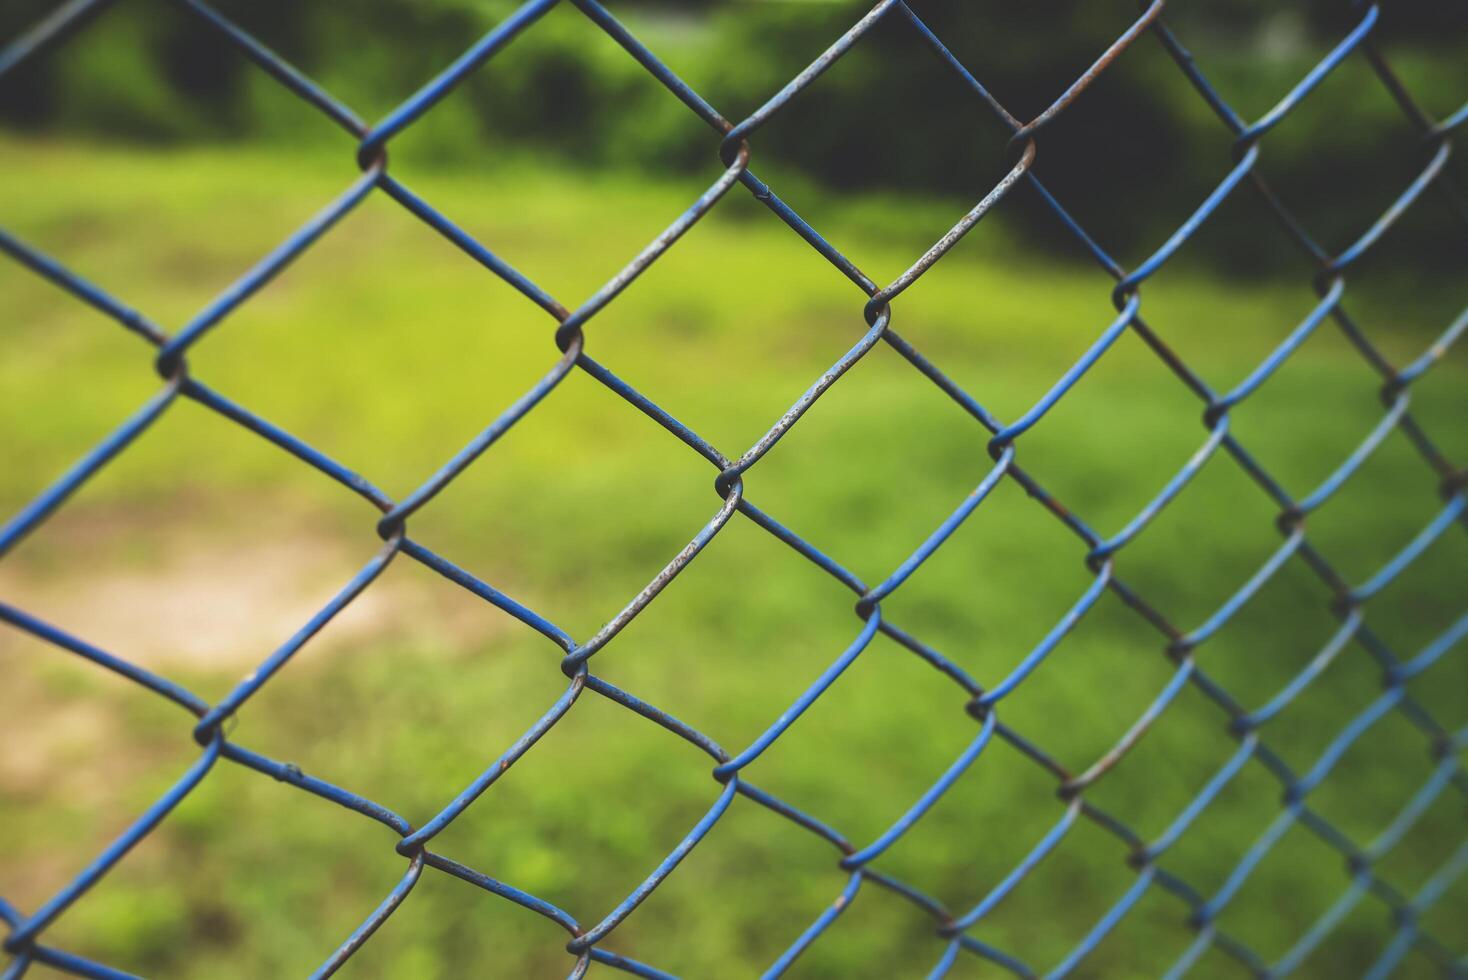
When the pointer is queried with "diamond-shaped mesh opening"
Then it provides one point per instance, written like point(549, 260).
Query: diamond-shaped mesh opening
point(820, 166)
point(403, 305)
point(153, 568)
point(585, 867)
point(321, 720)
point(848, 726)
point(811, 316)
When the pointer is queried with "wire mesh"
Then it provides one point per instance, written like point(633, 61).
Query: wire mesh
point(587, 939)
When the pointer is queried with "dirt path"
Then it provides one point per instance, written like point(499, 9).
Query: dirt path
point(224, 601)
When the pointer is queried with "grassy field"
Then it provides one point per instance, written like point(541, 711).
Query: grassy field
point(202, 547)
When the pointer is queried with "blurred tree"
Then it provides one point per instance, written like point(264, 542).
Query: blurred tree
point(890, 115)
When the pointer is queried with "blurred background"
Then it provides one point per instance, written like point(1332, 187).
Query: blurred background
point(148, 156)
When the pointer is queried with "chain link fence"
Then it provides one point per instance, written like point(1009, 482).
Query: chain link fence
point(591, 939)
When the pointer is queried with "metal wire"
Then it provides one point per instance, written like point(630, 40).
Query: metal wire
point(1100, 552)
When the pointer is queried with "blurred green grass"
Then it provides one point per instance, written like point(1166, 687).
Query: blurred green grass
point(202, 546)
